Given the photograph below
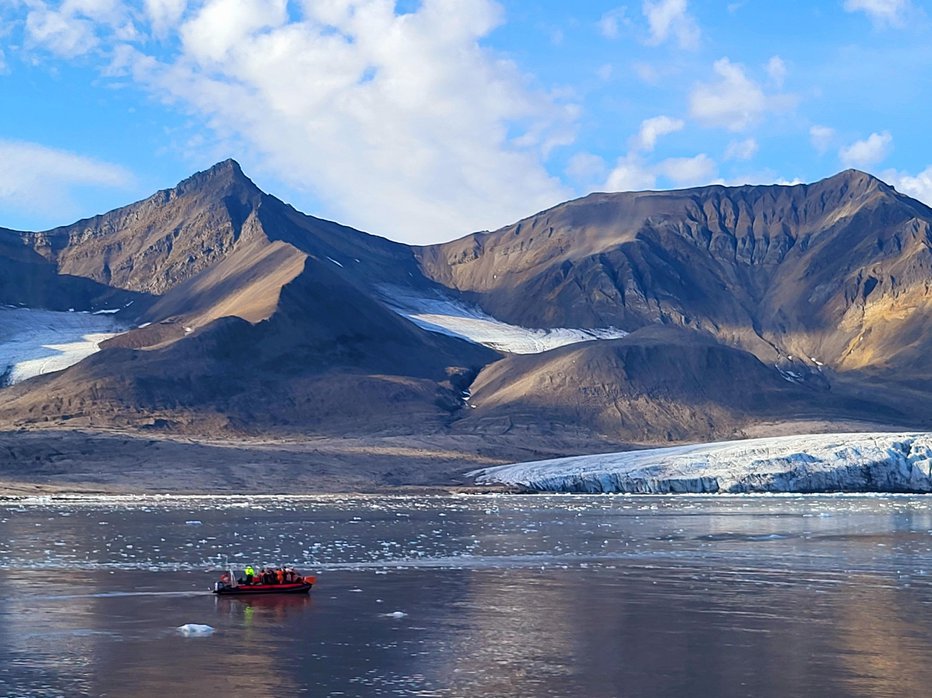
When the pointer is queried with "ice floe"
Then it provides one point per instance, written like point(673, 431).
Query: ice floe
point(450, 317)
point(34, 342)
point(194, 629)
point(867, 462)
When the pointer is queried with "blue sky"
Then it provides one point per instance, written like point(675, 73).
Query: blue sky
point(425, 120)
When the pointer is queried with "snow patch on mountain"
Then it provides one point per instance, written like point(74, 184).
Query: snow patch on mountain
point(867, 462)
point(33, 342)
point(450, 317)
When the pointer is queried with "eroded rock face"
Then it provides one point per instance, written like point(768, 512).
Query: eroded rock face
point(877, 462)
point(837, 270)
point(711, 311)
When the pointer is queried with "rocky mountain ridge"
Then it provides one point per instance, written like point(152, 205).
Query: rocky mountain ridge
point(743, 306)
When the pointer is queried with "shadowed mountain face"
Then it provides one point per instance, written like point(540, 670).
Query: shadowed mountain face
point(838, 270)
point(744, 305)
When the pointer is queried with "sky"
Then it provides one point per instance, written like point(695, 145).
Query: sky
point(424, 120)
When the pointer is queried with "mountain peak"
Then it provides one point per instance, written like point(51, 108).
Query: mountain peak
point(853, 180)
point(221, 175)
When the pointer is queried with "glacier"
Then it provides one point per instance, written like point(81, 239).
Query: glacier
point(34, 342)
point(453, 318)
point(840, 462)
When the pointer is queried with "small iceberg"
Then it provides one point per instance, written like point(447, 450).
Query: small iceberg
point(397, 615)
point(195, 630)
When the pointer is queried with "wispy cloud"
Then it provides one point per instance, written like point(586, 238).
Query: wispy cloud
point(734, 101)
point(670, 19)
point(633, 172)
point(821, 137)
point(776, 69)
point(611, 22)
point(865, 153)
point(653, 128)
point(918, 186)
point(882, 12)
point(401, 124)
point(741, 150)
point(39, 180)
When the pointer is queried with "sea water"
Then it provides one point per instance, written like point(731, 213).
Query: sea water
point(470, 595)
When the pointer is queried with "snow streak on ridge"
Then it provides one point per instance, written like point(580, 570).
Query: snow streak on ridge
point(34, 342)
point(455, 319)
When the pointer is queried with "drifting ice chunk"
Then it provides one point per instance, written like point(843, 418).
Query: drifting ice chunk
point(397, 615)
point(193, 629)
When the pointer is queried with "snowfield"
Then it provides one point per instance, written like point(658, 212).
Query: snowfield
point(450, 317)
point(870, 462)
point(33, 342)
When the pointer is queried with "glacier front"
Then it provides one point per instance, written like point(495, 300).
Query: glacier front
point(865, 462)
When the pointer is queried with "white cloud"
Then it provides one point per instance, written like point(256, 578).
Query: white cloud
point(917, 186)
point(586, 169)
point(821, 137)
point(400, 124)
point(646, 72)
point(741, 150)
point(222, 26)
point(71, 28)
point(610, 23)
point(867, 152)
point(654, 128)
point(882, 12)
point(670, 19)
point(776, 69)
point(734, 101)
point(688, 172)
point(633, 173)
point(163, 14)
point(36, 178)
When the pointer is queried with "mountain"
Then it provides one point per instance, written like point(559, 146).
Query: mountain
point(838, 270)
point(248, 320)
point(650, 317)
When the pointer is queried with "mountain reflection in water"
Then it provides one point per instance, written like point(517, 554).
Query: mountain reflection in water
point(504, 596)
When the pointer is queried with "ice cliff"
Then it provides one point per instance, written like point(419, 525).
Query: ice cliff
point(871, 462)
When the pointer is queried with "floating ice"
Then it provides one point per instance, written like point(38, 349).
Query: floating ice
point(872, 462)
point(194, 522)
point(397, 615)
point(450, 317)
point(193, 629)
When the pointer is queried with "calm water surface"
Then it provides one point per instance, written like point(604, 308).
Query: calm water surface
point(472, 596)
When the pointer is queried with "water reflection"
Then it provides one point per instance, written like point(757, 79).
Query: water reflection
point(509, 596)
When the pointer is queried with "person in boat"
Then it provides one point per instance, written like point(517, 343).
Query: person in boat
point(250, 573)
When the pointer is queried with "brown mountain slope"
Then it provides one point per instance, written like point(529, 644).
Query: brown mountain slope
point(656, 384)
point(28, 279)
point(263, 320)
point(838, 270)
point(252, 322)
